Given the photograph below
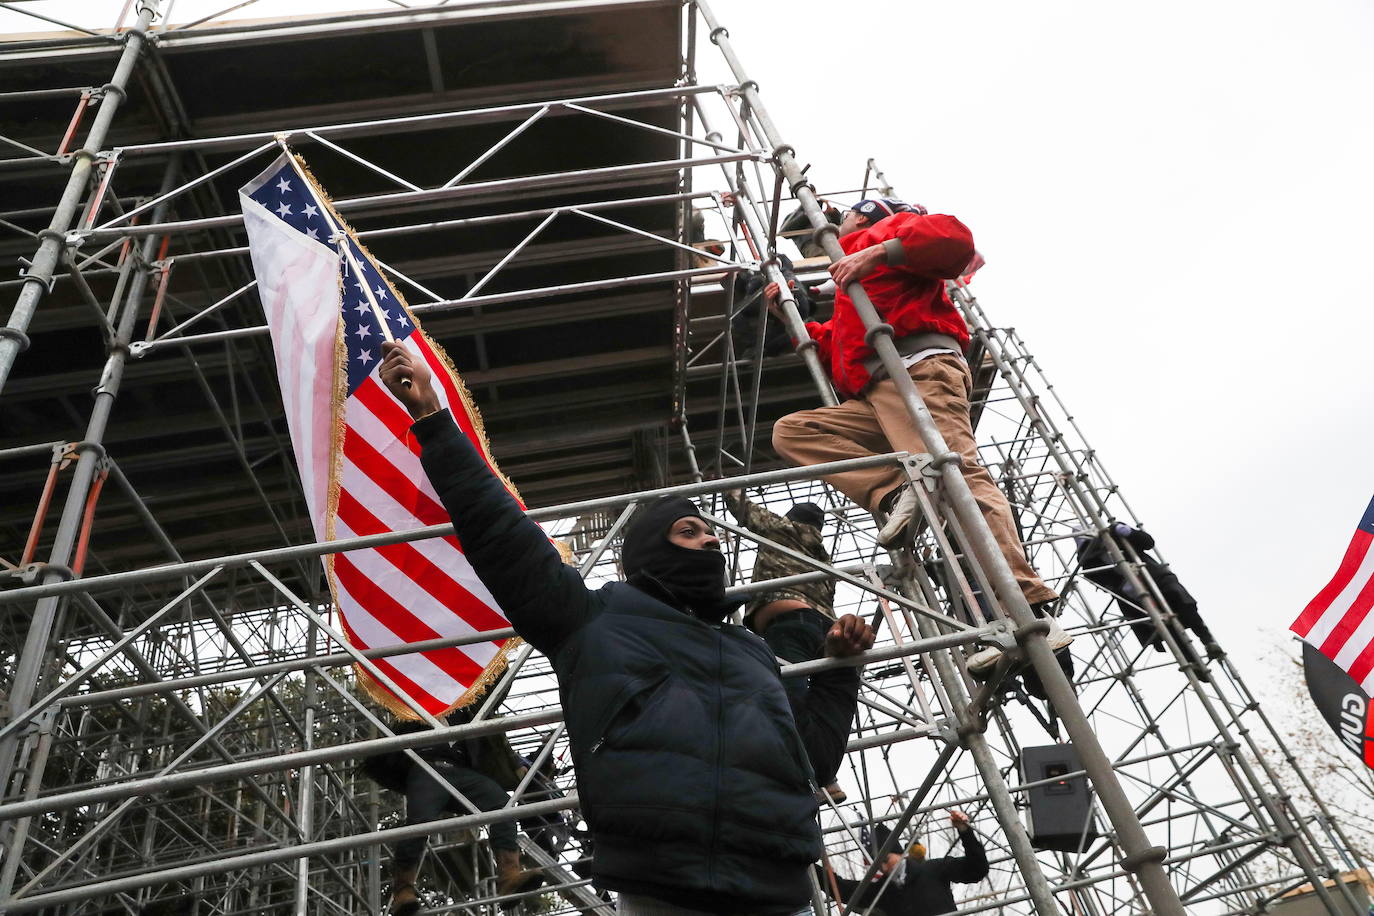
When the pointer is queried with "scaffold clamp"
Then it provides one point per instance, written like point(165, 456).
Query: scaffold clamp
point(920, 468)
point(999, 633)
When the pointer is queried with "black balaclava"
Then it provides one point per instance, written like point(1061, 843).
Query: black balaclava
point(808, 514)
point(694, 580)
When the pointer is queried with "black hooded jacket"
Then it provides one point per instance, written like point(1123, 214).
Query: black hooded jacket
point(1096, 560)
point(925, 887)
point(691, 771)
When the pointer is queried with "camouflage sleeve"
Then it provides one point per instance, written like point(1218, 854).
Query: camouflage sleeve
point(754, 517)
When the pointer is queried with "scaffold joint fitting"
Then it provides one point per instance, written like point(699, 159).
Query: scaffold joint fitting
point(62, 572)
point(1135, 861)
point(968, 729)
point(921, 468)
point(830, 229)
point(1038, 626)
point(88, 445)
point(999, 634)
point(16, 335)
point(803, 346)
point(25, 273)
point(878, 330)
point(717, 32)
point(939, 461)
point(782, 148)
point(45, 235)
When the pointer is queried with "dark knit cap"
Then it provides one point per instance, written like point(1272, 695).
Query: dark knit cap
point(808, 514)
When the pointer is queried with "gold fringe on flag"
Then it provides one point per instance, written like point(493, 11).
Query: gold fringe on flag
point(382, 695)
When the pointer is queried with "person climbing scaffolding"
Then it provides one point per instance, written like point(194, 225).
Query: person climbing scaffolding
point(902, 256)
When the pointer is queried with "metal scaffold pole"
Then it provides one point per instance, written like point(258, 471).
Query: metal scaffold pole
point(42, 270)
point(1090, 506)
point(35, 655)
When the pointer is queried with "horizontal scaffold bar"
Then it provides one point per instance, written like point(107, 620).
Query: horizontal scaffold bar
point(336, 659)
point(413, 122)
point(171, 571)
point(140, 349)
point(172, 782)
point(489, 189)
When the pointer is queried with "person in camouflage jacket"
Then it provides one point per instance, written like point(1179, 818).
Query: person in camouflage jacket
point(792, 619)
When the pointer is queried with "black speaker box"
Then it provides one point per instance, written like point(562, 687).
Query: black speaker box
point(1059, 813)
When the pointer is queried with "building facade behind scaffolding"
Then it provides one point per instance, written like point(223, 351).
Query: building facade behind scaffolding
point(182, 733)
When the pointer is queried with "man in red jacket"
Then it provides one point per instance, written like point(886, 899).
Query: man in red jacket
point(903, 256)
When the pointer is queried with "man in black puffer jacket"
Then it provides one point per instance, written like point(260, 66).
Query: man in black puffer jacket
point(692, 768)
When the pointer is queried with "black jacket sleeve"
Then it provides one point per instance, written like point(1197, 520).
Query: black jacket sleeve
point(847, 886)
point(823, 707)
point(1138, 539)
point(544, 598)
point(972, 866)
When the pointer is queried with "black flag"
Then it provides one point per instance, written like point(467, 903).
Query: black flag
point(1344, 706)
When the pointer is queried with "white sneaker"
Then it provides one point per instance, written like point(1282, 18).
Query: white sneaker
point(983, 661)
point(898, 519)
point(1057, 637)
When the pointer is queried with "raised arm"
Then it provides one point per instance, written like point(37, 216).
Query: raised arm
point(972, 866)
point(753, 516)
point(543, 598)
point(935, 246)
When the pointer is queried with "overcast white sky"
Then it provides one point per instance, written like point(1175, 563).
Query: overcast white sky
point(1175, 202)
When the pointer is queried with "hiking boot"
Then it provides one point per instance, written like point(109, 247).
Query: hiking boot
point(511, 877)
point(898, 519)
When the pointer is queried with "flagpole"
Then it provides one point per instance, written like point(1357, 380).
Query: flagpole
point(340, 238)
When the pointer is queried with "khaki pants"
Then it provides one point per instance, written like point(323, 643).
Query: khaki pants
point(877, 422)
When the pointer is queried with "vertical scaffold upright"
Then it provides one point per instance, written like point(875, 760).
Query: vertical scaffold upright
point(539, 178)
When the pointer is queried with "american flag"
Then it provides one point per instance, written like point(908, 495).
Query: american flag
point(329, 309)
point(1338, 622)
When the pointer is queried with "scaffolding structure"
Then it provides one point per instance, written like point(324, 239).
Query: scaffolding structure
point(181, 724)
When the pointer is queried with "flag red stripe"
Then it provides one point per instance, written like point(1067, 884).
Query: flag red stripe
point(396, 485)
point(455, 402)
point(402, 622)
point(440, 372)
point(1362, 664)
point(387, 410)
point(1350, 620)
point(430, 703)
point(1354, 556)
point(421, 570)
